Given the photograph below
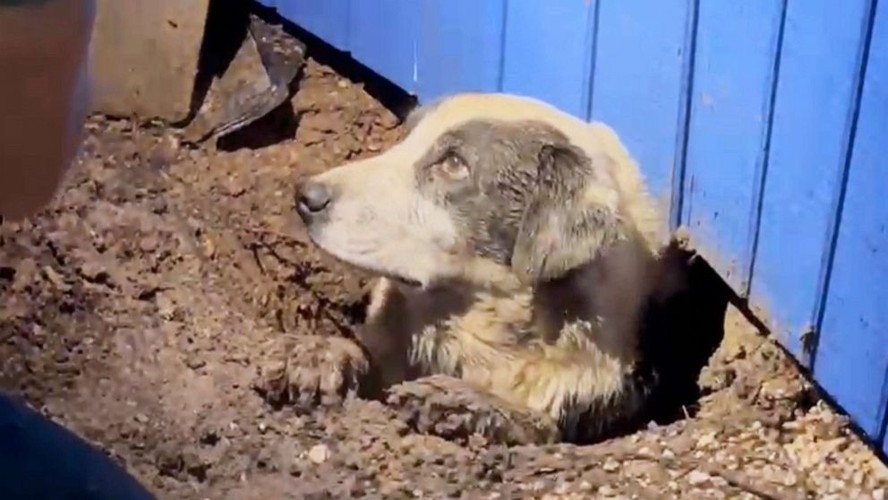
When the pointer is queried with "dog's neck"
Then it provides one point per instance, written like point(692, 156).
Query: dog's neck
point(561, 301)
point(551, 304)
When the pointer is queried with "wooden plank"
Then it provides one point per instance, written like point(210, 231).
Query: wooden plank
point(327, 19)
point(383, 35)
point(852, 354)
point(460, 47)
point(548, 52)
point(737, 44)
point(637, 85)
point(808, 148)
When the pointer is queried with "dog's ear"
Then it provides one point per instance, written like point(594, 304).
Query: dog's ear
point(570, 217)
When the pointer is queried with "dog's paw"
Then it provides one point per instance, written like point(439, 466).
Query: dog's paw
point(311, 370)
point(453, 409)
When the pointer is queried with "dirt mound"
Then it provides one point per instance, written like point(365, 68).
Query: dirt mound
point(139, 307)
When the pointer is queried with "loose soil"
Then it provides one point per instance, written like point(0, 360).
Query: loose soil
point(138, 308)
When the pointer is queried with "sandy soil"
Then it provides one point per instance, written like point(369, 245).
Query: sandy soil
point(138, 309)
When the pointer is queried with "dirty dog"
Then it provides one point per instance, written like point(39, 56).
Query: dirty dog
point(517, 248)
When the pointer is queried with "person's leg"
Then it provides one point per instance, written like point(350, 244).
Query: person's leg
point(44, 91)
point(40, 459)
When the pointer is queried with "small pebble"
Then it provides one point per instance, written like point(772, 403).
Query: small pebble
point(319, 453)
point(697, 477)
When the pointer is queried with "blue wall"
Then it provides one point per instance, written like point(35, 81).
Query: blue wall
point(764, 124)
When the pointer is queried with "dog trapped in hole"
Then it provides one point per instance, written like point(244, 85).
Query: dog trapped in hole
point(517, 249)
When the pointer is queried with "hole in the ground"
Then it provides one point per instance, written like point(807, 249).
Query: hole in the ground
point(7, 273)
point(682, 334)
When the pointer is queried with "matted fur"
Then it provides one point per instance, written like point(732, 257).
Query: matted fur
point(518, 248)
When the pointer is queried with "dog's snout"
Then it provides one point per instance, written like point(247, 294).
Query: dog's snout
point(312, 198)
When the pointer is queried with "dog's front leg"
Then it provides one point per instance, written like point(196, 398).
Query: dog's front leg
point(456, 409)
point(307, 370)
point(386, 336)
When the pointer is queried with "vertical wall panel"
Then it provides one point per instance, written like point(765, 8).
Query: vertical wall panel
point(636, 87)
point(460, 47)
point(327, 19)
point(809, 141)
point(383, 34)
point(852, 356)
point(548, 52)
point(729, 122)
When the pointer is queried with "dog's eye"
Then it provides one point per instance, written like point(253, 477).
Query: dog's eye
point(451, 167)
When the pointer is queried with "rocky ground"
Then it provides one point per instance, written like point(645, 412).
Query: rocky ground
point(138, 308)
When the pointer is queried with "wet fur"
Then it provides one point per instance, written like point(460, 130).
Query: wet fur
point(535, 272)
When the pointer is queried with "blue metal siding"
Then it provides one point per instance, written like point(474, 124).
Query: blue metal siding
point(460, 46)
point(327, 19)
point(852, 356)
point(764, 123)
point(637, 84)
point(383, 36)
point(809, 141)
point(548, 52)
point(729, 124)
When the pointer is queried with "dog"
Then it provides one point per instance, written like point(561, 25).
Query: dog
point(517, 248)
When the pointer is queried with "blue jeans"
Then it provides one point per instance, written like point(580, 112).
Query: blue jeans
point(40, 459)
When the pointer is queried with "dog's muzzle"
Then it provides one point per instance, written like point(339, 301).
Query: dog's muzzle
point(312, 200)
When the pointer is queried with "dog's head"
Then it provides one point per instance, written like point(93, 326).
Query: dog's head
point(484, 188)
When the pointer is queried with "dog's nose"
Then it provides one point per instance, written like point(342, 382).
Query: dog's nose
point(312, 198)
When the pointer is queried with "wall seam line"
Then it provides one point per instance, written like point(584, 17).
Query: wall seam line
point(679, 167)
point(763, 162)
